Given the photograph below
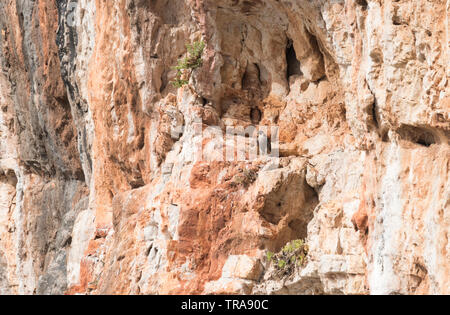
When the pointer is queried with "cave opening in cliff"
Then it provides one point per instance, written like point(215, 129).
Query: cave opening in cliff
point(255, 116)
point(293, 65)
point(362, 3)
point(292, 206)
point(254, 81)
point(417, 135)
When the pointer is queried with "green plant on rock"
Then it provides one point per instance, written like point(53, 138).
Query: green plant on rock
point(293, 246)
point(300, 260)
point(192, 61)
point(291, 257)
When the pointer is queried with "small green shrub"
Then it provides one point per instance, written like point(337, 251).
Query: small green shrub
point(300, 260)
point(292, 256)
point(293, 246)
point(192, 61)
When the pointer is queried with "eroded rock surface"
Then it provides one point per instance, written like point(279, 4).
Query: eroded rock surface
point(113, 181)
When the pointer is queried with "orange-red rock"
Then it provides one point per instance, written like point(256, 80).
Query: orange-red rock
point(114, 181)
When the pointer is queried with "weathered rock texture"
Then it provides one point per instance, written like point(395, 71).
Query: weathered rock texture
point(98, 196)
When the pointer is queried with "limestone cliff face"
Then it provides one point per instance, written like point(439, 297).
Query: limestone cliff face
point(113, 181)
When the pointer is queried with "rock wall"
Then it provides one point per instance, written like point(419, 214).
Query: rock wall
point(113, 181)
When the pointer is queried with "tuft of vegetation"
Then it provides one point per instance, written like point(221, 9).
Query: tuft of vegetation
point(291, 257)
point(247, 177)
point(192, 61)
point(281, 264)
